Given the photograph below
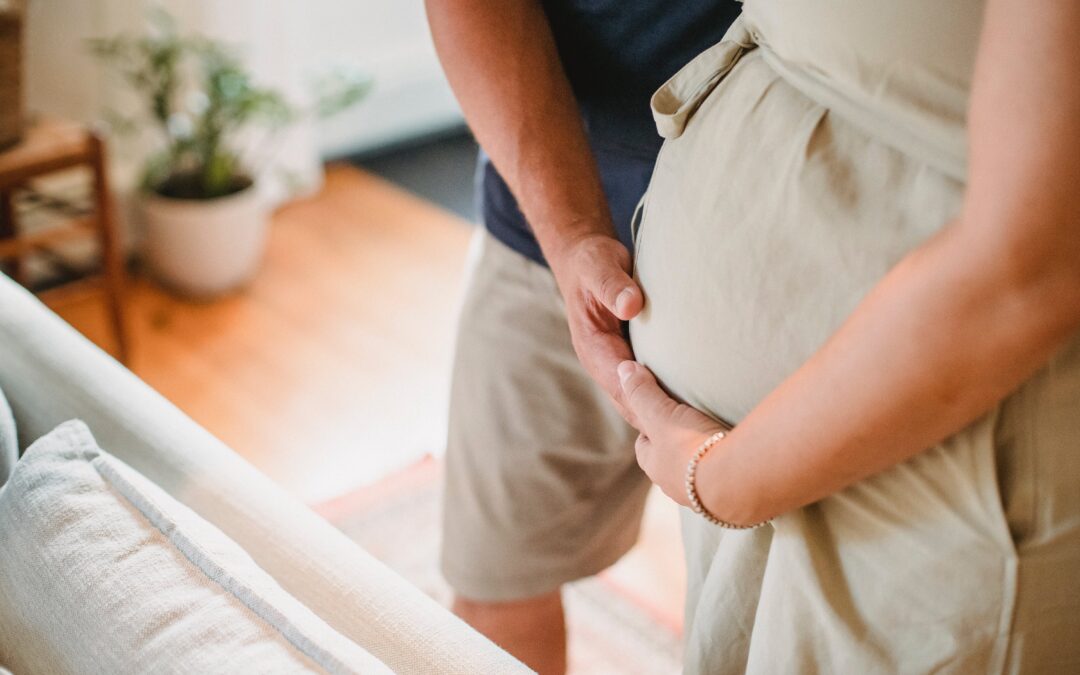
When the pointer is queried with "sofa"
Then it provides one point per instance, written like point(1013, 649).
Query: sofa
point(50, 374)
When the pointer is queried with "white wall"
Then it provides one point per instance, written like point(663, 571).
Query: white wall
point(390, 40)
point(287, 42)
point(58, 76)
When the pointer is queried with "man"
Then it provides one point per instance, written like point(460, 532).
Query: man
point(542, 483)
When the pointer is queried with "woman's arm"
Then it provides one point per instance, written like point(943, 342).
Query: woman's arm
point(959, 323)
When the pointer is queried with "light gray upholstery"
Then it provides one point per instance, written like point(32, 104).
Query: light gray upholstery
point(9, 445)
point(105, 573)
point(50, 374)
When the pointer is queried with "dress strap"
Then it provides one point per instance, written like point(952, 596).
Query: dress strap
point(676, 100)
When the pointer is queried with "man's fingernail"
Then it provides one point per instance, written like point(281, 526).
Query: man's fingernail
point(626, 369)
point(623, 298)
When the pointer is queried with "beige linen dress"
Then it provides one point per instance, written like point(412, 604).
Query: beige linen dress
point(805, 156)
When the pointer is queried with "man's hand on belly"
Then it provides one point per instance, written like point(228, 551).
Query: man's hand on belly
point(593, 274)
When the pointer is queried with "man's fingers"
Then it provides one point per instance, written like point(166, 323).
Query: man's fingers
point(641, 446)
point(643, 396)
point(624, 412)
point(616, 290)
point(601, 353)
point(628, 302)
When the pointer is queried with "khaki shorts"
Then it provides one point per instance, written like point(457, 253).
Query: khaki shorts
point(542, 485)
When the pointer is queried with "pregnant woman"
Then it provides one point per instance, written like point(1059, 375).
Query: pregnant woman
point(861, 246)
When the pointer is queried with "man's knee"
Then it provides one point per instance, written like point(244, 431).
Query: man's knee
point(538, 620)
point(533, 629)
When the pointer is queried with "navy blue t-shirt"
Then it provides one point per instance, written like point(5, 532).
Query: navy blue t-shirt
point(615, 54)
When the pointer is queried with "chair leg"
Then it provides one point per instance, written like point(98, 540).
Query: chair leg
point(112, 260)
point(9, 230)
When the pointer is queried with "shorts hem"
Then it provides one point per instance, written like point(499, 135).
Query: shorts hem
point(495, 589)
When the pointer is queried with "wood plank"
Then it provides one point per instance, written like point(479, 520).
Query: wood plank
point(73, 229)
point(48, 144)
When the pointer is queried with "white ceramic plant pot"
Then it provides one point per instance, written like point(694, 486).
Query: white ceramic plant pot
point(203, 248)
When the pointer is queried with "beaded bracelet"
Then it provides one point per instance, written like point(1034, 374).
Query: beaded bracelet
point(691, 486)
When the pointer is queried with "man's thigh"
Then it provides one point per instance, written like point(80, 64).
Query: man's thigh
point(542, 486)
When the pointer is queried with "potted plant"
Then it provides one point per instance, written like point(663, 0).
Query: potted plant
point(205, 224)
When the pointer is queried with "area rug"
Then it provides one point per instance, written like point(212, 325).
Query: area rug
point(397, 521)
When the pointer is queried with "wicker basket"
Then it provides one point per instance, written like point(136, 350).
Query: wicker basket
point(11, 100)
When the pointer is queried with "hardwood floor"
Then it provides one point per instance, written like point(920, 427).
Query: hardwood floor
point(332, 369)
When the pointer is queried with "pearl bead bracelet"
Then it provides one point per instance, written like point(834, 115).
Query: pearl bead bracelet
point(691, 486)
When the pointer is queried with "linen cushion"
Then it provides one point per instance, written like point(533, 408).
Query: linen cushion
point(102, 571)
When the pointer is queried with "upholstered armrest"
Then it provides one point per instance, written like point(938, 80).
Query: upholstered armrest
point(50, 373)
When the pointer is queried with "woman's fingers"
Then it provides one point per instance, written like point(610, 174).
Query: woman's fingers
point(670, 431)
point(643, 396)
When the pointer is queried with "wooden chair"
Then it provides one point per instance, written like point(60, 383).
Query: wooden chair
point(49, 146)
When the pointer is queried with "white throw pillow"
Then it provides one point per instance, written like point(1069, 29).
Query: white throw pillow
point(101, 571)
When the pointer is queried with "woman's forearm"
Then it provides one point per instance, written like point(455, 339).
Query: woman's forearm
point(948, 333)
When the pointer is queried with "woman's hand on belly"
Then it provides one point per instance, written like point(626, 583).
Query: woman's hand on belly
point(670, 431)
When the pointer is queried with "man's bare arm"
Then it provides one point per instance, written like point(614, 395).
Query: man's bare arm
point(501, 60)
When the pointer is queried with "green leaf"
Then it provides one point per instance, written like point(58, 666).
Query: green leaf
point(166, 68)
point(340, 89)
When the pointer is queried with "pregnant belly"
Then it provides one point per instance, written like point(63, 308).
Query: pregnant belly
point(766, 222)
